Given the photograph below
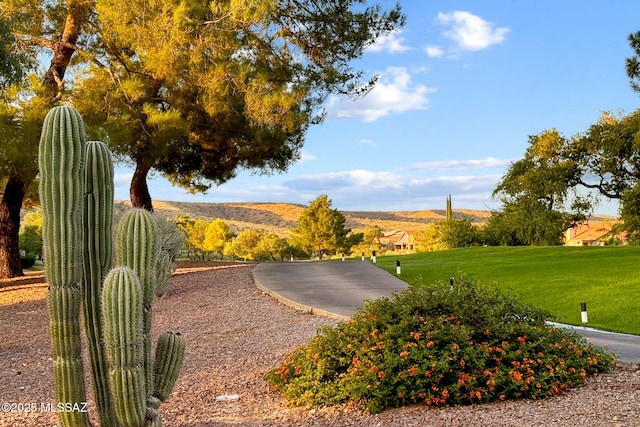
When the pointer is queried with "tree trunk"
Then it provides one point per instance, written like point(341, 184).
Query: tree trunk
point(10, 265)
point(139, 190)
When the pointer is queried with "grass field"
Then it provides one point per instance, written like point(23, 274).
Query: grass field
point(556, 279)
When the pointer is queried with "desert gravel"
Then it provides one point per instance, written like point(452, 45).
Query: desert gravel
point(234, 335)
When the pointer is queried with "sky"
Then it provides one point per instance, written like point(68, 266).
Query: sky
point(460, 89)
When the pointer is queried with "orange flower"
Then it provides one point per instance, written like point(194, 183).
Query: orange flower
point(445, 393)
point(430, 344)
point(413, 370)
point(515, 375)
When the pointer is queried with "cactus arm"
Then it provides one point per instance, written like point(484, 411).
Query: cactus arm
point(136, 249)
point(169, 356)
point(97, 223)
point(168, 361)
point(124, 343)
point(60, 159)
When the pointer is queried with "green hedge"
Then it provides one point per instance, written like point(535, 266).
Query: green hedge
point(27, 261)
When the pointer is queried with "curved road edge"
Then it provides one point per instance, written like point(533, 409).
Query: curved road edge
point(337, 289)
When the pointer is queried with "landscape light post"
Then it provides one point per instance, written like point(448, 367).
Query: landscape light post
point(583, 312)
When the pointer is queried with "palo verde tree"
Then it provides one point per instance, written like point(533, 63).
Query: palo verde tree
point(217, 234)
point(198, 90)
point(320, 229)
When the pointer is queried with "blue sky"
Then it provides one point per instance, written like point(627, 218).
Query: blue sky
point(461, 87)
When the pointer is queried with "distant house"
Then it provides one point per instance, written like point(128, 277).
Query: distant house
point(395, 240)
point(591, 233)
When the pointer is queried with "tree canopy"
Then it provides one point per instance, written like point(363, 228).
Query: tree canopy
point(29, 29)
point(321, 229)
point(561, 179)
point(197, 91)
point(539, 194)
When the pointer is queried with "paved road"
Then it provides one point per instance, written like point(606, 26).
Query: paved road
point(337, 289)
point(333, 289)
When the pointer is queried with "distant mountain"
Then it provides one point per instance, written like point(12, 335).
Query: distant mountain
point(281, 217)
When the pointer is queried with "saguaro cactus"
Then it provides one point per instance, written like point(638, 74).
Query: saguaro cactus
point(117, 307)
point(136, 249)
point(61, 158)
point(98, 256)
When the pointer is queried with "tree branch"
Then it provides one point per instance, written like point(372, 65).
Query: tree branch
point(600, 187)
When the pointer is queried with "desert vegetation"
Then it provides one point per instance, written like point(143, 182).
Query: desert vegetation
point(439, 344)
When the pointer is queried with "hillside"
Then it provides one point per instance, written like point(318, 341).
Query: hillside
point(280, 217)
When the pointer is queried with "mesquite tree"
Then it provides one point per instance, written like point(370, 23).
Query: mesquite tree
point(76, 190)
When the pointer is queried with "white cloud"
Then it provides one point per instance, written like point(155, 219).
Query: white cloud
point(434, 51)
point(122, 179)
point(306, 157)
point(383, 190)
point(394, 93)
point(489, 162)
point(390, 43)
point(345, 179)
point(367, 142)
point(470, 31)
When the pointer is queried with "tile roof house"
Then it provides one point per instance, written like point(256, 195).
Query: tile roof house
point(396, 240)
point(591, 233)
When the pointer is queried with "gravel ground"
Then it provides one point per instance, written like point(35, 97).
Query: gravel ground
point(235, 334)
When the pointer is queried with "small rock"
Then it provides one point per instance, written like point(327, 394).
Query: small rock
point(228, 397)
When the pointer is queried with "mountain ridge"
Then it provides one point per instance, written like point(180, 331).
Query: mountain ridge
point(280, 217)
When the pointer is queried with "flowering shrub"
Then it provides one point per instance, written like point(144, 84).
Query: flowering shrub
point(441, 345)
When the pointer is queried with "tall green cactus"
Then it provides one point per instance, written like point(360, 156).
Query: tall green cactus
point(60, 159)
point(117, 304)
point(98, 256)
point(136, 248)
point(125, 341)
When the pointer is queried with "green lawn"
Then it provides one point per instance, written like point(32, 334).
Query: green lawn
point(556, 279)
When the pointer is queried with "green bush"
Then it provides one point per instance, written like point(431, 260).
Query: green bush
point(27, 261)
point(440, 345)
